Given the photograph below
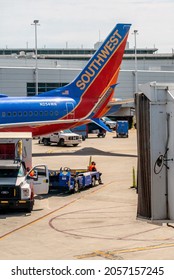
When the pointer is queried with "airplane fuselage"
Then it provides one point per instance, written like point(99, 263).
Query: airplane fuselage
point(29, 113)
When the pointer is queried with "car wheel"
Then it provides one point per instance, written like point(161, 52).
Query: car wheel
point(61, 142)
point(46, 142)
point(76, 187)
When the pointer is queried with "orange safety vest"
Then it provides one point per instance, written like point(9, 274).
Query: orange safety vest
point(92, 167)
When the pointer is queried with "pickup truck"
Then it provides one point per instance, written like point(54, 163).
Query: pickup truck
point(111, 124)
point(61, 138)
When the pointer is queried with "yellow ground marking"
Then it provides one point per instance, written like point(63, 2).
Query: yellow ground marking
point(113, 254)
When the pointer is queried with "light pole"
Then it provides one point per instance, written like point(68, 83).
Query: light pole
point(136, 74)
point(36, 23)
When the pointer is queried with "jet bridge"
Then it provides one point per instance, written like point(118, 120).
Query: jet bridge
point(155, 139)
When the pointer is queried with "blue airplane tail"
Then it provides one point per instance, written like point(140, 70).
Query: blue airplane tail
point(94, 79)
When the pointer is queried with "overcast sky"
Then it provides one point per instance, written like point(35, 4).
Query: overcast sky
point(80, 23)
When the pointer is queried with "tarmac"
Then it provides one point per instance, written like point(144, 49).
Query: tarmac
point(98, 223)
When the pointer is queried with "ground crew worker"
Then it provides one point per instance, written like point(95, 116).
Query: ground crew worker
point(32, 173)
point(92, 166)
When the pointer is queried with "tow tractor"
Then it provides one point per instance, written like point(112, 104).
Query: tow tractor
point(73, 180)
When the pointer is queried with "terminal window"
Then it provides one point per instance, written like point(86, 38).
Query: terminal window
point(42, 87)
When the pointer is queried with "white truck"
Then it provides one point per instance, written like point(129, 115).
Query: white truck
point(19, 182)
point(61, 138)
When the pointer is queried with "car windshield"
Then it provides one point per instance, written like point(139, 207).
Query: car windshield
point(67, 131)
point(12, 173)
point(106, 119)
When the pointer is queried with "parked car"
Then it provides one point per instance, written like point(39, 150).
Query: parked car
point(111, 124)
point(61, 138)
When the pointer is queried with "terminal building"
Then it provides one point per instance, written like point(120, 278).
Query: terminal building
point(57, 67)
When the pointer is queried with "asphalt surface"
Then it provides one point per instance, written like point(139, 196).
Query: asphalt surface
point(96, 224)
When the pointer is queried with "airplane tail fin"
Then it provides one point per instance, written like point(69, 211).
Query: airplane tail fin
point(102, 67)
point(98, 75)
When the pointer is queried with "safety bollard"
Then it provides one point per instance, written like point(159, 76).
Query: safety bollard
point(133, 178)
